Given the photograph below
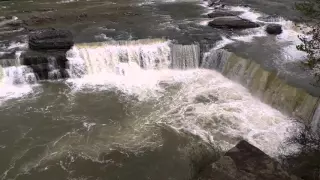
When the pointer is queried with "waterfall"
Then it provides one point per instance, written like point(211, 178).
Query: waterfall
point(16, 75)
point(13, 73)
point(215, 59)
point(123, 57)
point(118, 57)
point(264, 84)
point(15, 79)
point(185, 56)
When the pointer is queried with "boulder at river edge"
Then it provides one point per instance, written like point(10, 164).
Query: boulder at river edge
point(274, 29)
point(232, 22)
point(48, 39)
point(245, 162)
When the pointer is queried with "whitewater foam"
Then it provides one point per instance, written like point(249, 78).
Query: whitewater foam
point(210, 105)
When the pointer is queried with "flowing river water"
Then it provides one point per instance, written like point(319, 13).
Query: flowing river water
point(143, 100)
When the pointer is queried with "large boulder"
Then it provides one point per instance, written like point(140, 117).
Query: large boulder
point(232, 22)
point(245, 162)
point(50, 39)
point(274, 29)
point(219, 13)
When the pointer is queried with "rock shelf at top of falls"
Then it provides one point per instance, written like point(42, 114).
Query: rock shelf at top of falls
point(232, 22)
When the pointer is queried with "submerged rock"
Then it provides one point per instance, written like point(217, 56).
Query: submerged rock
point(232, 22)
point(245, 162)
point(48, 39)
point(274, 29)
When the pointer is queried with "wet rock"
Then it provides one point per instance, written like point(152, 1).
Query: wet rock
point(56, 58)
point(48, 39)
point(46, 65)
point(274, 29)
point(218, 13)
point(232, 22)
point(245, 162)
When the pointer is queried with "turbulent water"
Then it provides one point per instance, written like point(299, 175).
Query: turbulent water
point(153, 99)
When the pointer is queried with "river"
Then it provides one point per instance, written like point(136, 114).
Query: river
point(137, 105)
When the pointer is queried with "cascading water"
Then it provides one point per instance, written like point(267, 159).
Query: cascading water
point(15, 73)
point(118, 57)
point(15, 78)
point(185, 56)
point(262, 83)
point(125, 56)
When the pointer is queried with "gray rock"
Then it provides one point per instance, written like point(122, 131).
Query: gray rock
point(274, 29)
point(232, 22)
point(245, 162)
point(48, 39)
